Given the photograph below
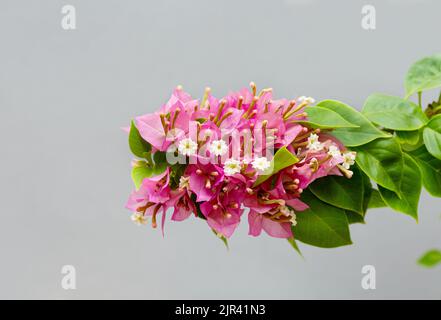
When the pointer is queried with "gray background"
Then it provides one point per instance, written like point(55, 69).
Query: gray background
point(65, 163)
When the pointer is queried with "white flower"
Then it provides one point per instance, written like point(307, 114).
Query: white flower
point(293, 219)
point(285, 211)
point(334, 151)
point(231, 167)
point(138, 218)
point(218, 147)
point(184, 182)
point(187, 147)
point(261, 163)
point(349, 159)
point(288, 212)
point(313, 143)
point(308, 100)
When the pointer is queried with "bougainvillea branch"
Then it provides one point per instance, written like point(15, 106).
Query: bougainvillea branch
point(294, 169)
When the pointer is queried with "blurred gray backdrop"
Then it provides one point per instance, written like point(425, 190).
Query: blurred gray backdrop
point(65, 162)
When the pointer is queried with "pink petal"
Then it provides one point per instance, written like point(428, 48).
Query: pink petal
point(230, 123)
point(151, 130)
point(297, 205)
point(255, 223)
point(222, 224)
point(276, 229)
point(197, 185)
point(291, 134)
point(180, 214)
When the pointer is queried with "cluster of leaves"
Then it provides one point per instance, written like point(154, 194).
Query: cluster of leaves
point(398, 147)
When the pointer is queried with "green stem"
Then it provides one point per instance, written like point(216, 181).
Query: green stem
point(439, 98)
point(419, 99)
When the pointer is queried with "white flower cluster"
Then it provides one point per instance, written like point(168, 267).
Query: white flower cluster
point(349, 159)
point(289, 212)
point(313, 143)
point(187, 147)
point(307, 100)
point(233, 166)
point(218, 147)
point(139, 219)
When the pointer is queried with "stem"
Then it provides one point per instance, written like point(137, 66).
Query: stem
point(419, 99)
point(439, 98)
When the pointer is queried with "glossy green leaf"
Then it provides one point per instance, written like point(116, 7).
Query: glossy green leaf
point(354, 217)
point(340, 191)
point(382, 161)
point(141, 171)
point(352, 137)
point(367, 190)
point(394, 112)
point(408, 137)
point(423, 75)
point(430, 168)
point(176, 172)
point(321, 225)
point(432, 136)
point(160, 159)
point(375, 200)
point(324, 118)
point(282, 159)
point(137, 144)
point(430, 258)
point(408, 192)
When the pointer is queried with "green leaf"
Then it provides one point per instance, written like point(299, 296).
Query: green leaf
point(176, 172)
point(141, 171)
point(375, 200)
point(408, 195)
point(354, 217)
point(294, 245)
point(282, 159)
point(137, 144)
point(352, 137)
point(394, 112)
point(430, 258)
point(430, 168)
point(432, 136)
point(408, 137)
point(322, 225)
point(382, 161)
point(160, 159)
point(324, 118)
point(423, 75)
point(340, 191)
point(367, 191)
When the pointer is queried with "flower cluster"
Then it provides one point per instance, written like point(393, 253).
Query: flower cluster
point(212, 158)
